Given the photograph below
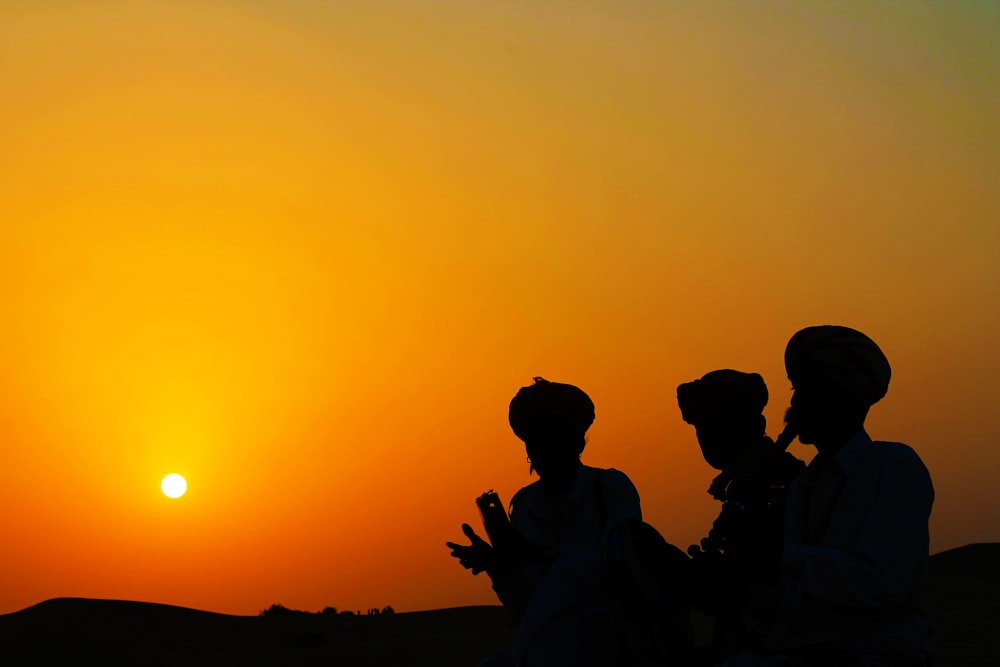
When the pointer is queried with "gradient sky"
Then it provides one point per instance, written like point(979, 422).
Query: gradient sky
point(305, 252)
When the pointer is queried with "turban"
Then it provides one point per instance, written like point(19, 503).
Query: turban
point(846, 358)
point(722, 394)
point(550, 408)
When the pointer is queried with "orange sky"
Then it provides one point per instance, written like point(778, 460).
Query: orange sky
point(303, 253)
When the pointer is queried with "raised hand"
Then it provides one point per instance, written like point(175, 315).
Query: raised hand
point(478, 556)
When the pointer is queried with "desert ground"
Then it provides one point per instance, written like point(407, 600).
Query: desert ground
point(963, 599)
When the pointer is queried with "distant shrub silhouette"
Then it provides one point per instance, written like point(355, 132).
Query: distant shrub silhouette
point(375, 611)
point(281, 610)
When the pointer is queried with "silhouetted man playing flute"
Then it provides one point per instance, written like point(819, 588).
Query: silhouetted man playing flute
point(856, 552)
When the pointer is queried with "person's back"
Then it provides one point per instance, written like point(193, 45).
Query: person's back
point(561, 524)
point(577, 518)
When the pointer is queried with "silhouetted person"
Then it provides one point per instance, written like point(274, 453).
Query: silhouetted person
point(736, 566)
point(561, 521)
point(856, 552)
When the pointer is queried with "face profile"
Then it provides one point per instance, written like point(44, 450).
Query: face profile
point(813, 412)
point(837, 374)
point(719, 443)
point(725, 407)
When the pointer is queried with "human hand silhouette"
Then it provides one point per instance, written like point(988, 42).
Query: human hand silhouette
point(478, 556)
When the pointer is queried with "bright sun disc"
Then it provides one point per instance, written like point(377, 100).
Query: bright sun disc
point(173, 485)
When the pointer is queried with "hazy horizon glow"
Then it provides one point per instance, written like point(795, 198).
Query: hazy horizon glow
point(307, 252)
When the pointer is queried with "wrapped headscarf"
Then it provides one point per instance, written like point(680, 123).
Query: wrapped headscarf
point(721, 394)
point(847, 358)
point(550, 408)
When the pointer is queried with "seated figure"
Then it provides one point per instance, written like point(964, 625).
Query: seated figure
point(855, 557)
point(559, 523)
point(736, 565)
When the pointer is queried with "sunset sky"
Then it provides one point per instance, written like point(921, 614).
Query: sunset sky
point(304, 253)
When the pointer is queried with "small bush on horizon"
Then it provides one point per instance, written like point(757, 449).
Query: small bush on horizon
point(281, 610)
point(278, 609)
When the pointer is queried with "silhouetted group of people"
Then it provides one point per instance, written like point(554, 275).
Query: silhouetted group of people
point(805, 565)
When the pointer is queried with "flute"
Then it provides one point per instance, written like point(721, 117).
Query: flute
point(786, 437)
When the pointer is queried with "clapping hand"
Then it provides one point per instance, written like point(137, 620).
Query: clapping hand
point(478, 556)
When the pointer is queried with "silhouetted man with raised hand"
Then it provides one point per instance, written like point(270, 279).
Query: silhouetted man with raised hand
point(736, 566)
point(561, 521)
point(856, 551)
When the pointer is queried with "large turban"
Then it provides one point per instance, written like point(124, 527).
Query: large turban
point(844, 357)
point(547, 409)
point(722, 394)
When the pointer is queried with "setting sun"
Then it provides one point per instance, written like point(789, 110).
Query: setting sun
point(173, 485)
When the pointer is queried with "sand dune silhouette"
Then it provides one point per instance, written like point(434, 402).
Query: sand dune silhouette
point(979, 562)
point(963, 597)
point(119, 632)
point(963, 590)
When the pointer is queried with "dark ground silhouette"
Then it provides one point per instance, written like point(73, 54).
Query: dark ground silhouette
point(115, 632)
point(962, 595)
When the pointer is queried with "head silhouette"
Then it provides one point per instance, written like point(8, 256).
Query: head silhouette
point(552, 419)
point(837, 374)
point(725, 407)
